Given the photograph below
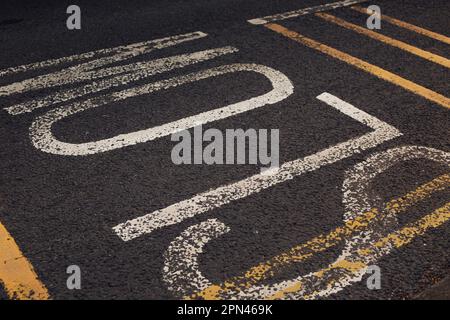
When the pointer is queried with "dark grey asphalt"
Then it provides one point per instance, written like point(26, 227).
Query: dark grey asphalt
point(60, 210)
point(439, 291)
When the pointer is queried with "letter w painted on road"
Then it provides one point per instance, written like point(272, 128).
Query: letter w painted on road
point(96, 74)
point(113, 76)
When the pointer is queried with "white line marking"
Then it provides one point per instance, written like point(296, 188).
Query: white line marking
point(126, 74)
point(223, 195)
point(86, 71)
point(184, 261)
point(356, 186)
point(43, 139)
point(137, 48)
point(181, 269)
point(357, 201)
point(305, 11)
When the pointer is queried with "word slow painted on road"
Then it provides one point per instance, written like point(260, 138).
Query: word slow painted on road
point(181, 271)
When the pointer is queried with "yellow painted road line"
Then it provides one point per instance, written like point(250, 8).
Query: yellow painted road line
point(406, 25)
point(363, 65)
point(396, 239)
point(390, 41)
point(321, 243)
point(16, 272)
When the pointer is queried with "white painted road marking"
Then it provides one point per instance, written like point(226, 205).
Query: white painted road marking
point(350, 266)
point(305, 11)
point(43, 139)
point(87, 70)
point(223, 195)
point(181, 271)
point(137, 48)
point(126, 74)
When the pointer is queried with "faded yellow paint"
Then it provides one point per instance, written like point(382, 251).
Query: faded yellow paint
point(363, 65)
point(16, 273)
point(280, 294)
point(321, 243)
point(407, 234)
point(390, 41)
point(341, 264)
point(298, 253)
point(352, 266)
point(422, 192)
point(396, 239)
point(406, 25)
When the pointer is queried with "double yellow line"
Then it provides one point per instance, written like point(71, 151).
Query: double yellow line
point(406, 25)
point(269, 268)
point(20, 281)
point(368, 67)
point(275, 265)
point(382, 38)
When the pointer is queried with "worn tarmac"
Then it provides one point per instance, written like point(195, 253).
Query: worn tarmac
point(61, 209)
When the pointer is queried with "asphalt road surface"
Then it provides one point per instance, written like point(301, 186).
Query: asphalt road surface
point(87, 178)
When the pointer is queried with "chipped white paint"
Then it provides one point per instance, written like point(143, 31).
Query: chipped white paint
point(223, 195)
point(329, 280)
point(305, 11)
point(181, 270)
point(357, 201)
point(125, 74)
point(43, 139)
point(356, 196)
point(86, 71)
